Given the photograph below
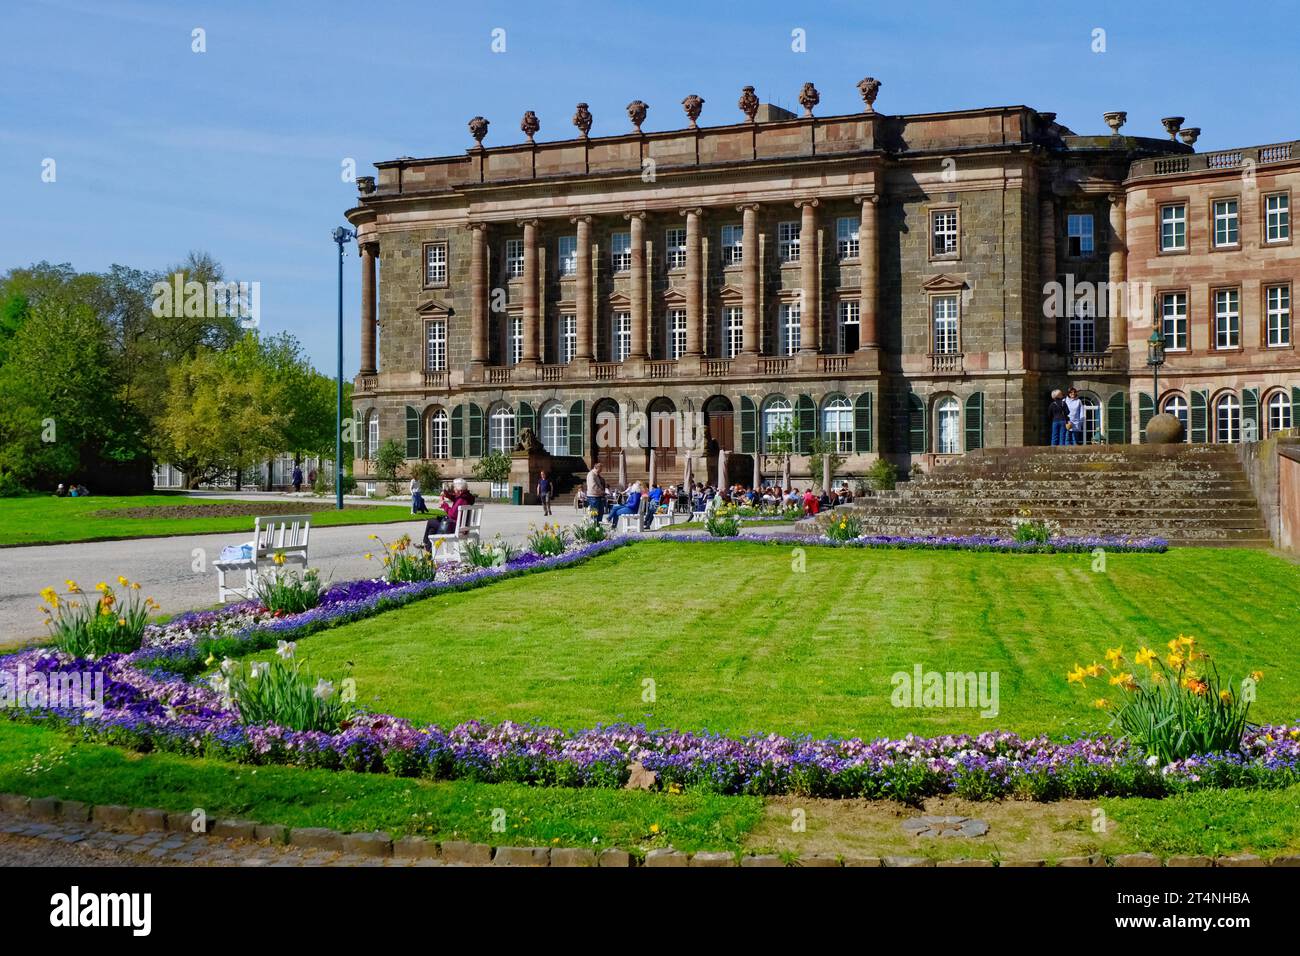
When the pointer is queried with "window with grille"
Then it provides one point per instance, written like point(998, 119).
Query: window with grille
point(439, 435)
point(1277, 308)
point(733, 331)
point(1091, 419)
point(733, 245)
point(622, 335)
point(620, 251)
point(568, 338)
point(1227, 419)
point(555, 429)
point(435, 264)
point(1176, 405)
point(790, 313)
point(777, 417)
point(675, 244)
point(848, 319)
point(568, 255)
point(1277, 217)
point(944, 311)
point(372, 435)
point(1173, 228)
point(1173, 321)
point(1079, 239)
point(1083, 329)
point(949, 415)
point(846, 237)
point(787, 241)
point(514, 258)
point(1227, 318)
point(943, 232)
point(501, 429)
point(676, 333)
point(1279, 412)
point(516, 339)
point(435, 346)
point(1225, 222)
point(837, 424)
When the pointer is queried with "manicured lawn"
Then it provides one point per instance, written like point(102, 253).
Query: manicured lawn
point(734, 640)
point(45, 519)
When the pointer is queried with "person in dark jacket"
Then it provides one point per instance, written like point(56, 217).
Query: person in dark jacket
point(451, 503)
point(1059, 415)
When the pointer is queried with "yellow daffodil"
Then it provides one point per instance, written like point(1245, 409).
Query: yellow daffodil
point(122, 581)
point(1173, 644)
point(1093, 669)
point(1100, 703)
point(1114, 655)
point(369, 556)
point(121, 622)
point(1145, 656)
point(1075, 676)
point(1186, 641)
point(1174, 660)
point(373, 537)
point(278, 559)
point(51, 596)
point(1225, 696)
point(1121, 679)
point(102, 587)
point(1257, 676)
point(73, 586)
point(135, 585)
point(654, 828)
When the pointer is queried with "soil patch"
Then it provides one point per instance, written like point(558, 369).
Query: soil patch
point(233, 509)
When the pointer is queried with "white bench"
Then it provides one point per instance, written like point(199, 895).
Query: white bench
point(633, 523)
point(285, 535)
point(469, 525)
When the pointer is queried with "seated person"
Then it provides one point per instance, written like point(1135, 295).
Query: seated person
point(810, 503)
point(629, 507)
point(451, 503)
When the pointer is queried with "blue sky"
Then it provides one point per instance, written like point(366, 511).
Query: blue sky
point(238, 150)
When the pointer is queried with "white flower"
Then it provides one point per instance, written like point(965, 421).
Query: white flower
point(257, 669)
point(324, 689)
point(1153, 760)
point(285, 649)
point(227, 666)
point(219, 683)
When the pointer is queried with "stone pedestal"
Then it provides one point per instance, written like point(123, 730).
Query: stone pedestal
point(525, 467)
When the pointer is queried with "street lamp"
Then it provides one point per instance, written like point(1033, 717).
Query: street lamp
point(342, 235)
point(1155, 359)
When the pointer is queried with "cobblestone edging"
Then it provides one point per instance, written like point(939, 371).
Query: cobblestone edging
point(145, 830)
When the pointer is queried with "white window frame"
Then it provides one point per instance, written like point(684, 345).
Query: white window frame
point(435, 264)
point(733, 331)
point(514, 258)
point(847, 229)
point(621, 340)
point(789, 318)
point(1277, 316)
point(947, 416)
point(567, 255)
point(1091, 418)
point(1079, 226)
point(945, 323)
point(733, 245)
point(516, 339)
point(620, 251)
point(848, 314)
point(675, 247)
point(1277, 412)
point(1277, 217)
point(945, 236)
point(568, 337)
point(1082, 329)
point(1177, 406)
point(1173, 227)
point(676, 333)
point(787, 241)
point(555, 429)
point(372, 435)
point(435, 345)
point(439, 435)
point(1173, 321)
point(501, 429)
point(1227, 318)
point(776, 412)
point(837, 423)
point(1227, 223)
point(1227, 419)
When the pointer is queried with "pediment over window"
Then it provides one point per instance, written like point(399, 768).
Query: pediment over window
point(731, 295)
point(674, 296)
point(620, 300)
point(433, 309)
point(944, 283)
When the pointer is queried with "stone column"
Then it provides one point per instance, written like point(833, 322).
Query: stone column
point(1047, 264)
point(694, 284)
point(530, 291)
point(369, 324)
point(1118, 274)
point(478, 279)
point(749, 280)
point(637, 220)
point(810, 278)
point(869, 266)
point(582, 293)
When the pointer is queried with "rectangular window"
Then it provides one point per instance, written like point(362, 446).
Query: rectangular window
point(676, 333)
point(733, 245)
point(1083, 330)
point(1173, 321)
point(848, 316)
point(568, 338)
point(435, 352)
point(435, 264)
point(733, 331)
point(1277, 217)
point(846, 237)
point(943, 232)
point(516, 339)
point(787, 241)
point(1277, 310)
point(620, 251)
point(514, 258)
point(1227, 318)
point(675, 244)
point(568, 255)
point(790, 313)
point(1225, 223)
point(1078, 227)
point(622, 335)
point(1173, 228)
point(943, 309)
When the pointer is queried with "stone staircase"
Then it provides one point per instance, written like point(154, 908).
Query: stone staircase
point(1188, 494)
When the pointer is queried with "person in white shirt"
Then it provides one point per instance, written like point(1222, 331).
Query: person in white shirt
point(1075, 405)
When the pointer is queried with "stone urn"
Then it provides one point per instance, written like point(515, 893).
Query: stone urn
point(1164, 429)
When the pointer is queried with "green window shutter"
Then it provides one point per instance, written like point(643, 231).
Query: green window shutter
point(1117, 419)
point(1146, 411)
point(358, 436)
point(475, 449)
point(458, 432)
point(577, 418)
point(1295, 406)
point(918, 435)
point(1250, 430)
point(526, 417)
point(862, 415)
point(1199, 417)
point(975, 421)
point(805, 424)
point(412, 433)
point(748, 425)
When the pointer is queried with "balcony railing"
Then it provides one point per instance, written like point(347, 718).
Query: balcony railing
point(947, 361)
point(499, 374)
point(716, 367)
point(605, 371)
point(367, 383)
point(437, 378)
point(1225, 159)
point(660, 369)
point(552, 373)
point(1090, 361)
point(833, 363)
point(774, 366)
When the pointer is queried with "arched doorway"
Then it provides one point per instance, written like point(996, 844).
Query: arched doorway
point(606, 435)
point(719, 431)
point(662, 435)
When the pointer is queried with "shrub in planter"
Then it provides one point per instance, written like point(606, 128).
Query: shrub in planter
point(843, 527)
point(722, 523)
point(279, 693)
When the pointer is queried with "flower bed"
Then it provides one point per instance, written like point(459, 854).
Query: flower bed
point(1059, 545)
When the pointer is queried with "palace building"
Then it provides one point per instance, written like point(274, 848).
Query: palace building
point(882, 285)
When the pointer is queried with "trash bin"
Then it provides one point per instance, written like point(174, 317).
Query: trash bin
point(516, 494)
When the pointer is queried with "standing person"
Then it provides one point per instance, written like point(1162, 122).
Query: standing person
point(311, 478)
point(545, 491)
point(1059, 415)
point(596, 490)
point(417, 498)
point(297, 478)
point(1074, 425)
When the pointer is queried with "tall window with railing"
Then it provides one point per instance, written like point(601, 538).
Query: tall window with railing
point(435, 346)
point(789, 328)
point(943, 312)
point(848, 322)
point(622, 335)
point(568, 337)
point(676, 333)
point(733, 331)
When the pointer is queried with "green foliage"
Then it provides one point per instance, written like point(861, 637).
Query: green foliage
point(90, 628)
point(390, 459)
point(882, 475)
point(279, 692)
point(722, 522)
point(429, 475)
point(842, 526)
point(590, 531)
point(548, 540)
point(496, 553)
point(494, 466)
point(404, 562)
point(819, 449)
point(284, 591)
point(780, 443)
point(1027, 529)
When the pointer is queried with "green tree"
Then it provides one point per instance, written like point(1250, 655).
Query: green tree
point(390, 458)
point(816, 450)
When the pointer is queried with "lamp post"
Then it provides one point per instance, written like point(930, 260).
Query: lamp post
point(342, 235)
point(1155, 359)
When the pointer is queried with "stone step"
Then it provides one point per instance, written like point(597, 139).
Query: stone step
point(1056, 511)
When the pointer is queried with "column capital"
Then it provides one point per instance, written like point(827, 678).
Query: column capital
point(1117, 199)
point(637, 214)
point(872, 198)
point(696, 210)
point(477, 225)
point(534, 222)
point(583, 218)
point(811, 201)
point(749, 207)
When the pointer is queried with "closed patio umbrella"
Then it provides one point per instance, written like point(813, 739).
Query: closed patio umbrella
point(622, 468)
point(687, 475)
point(722, 468)
point(826, 473)
point(757, 476)
point(652, 468)
point(785, 472)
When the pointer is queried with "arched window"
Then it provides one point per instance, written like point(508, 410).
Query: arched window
point(501, 429)
point(1227, 419)
point(1176, 405)
point(1091, 419)
point(372, 435)
point(837, 423)
point(1279, 412)
point(777, 417)
point(948, 416)
point(555, 429)
point(439, 435)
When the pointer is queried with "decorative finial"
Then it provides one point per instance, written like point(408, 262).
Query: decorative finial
point(1115, 119)
point(529, 124)
point(365, 185)
point(808, 98)
point(478, 128)
point(636, 111)
point(582, 119)
point(1171, 124)
point(1190, 134)
point(869, 87)
point(693, 104)
point(748, 103)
